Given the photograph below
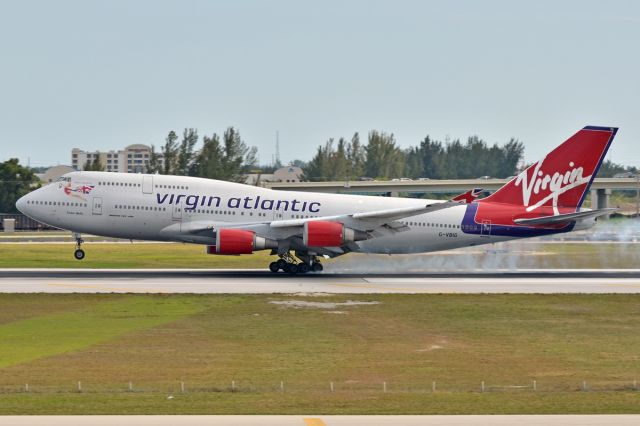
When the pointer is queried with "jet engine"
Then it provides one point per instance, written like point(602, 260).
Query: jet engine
point(239, 241)
point(320, 233)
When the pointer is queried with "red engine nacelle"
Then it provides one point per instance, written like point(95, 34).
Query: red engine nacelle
point(319, 233)
point(239, 241)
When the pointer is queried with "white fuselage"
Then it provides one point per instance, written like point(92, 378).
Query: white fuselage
point(165, 208)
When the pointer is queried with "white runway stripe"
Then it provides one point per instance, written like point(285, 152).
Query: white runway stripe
point(228, 281)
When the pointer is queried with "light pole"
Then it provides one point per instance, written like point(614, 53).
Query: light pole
point(637, 195)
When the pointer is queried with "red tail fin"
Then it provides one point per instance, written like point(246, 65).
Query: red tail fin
point(562, 178)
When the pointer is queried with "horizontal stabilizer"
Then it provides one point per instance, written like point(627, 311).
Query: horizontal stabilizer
point(562, 218)
point(469, 196)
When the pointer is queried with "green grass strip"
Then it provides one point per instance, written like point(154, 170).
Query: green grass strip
point(118, 255)
point(30, 339)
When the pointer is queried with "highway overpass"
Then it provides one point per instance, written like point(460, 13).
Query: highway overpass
point(430, 186)
point(600, 190)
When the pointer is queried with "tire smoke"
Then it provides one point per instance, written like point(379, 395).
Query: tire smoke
point(612, 244)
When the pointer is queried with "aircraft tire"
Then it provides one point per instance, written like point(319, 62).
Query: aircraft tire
point(303, 268)
point(292, 269)
point(282, 264)
point(317, 267)
point(273, 267)
point(78, 254)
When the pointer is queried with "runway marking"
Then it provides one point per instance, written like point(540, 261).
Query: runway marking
point(95, 287)
point(376, 287)
point(314, 422)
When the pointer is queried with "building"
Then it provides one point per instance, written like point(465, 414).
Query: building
point(132, 159)
point(288, 174)
point(283, 174)
point(53, 173)
point(257, 178)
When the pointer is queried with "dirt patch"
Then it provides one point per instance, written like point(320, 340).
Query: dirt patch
point(434, 346)
point(310, 294)
point(300, 304)
point(430, 348)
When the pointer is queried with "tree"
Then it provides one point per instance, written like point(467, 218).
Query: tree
point(95, 165)
point(226, 159)
point(185, 151)
point(299, 163)
point(429, 159)
point(384, 158)
point(170, 153)
point(454, 160)
point(208, 163)
point(512, 154)
point(340, 164)
point(319, 168)
point(15, 181)
point(609, 168)
point(413, 163)
point(154, 165)
point(234, 150)
point(357, 156)
point(250, 159)
point(345, 161)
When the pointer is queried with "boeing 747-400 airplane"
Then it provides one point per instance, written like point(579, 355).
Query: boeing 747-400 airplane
point(302, 227)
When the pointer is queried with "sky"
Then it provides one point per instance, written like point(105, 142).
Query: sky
point(107, 74)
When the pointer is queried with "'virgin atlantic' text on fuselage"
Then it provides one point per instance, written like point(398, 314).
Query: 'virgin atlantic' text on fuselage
point(192, 202)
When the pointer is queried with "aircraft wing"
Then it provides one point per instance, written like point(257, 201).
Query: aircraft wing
point(370, 220)
point(373, 219)
point(562, 218)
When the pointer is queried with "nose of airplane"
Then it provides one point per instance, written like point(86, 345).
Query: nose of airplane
point(21, 204)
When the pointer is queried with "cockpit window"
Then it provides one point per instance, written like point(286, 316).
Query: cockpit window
point(63, 179)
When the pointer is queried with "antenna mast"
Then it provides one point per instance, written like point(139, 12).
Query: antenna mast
point(278, 148)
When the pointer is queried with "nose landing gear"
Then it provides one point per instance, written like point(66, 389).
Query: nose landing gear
point(79, 253)
point(288, 263)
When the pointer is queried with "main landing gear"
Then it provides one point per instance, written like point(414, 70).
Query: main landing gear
point(79, 253)
point(288, 263)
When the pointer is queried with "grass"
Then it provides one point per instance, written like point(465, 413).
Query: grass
point(83, 327)
point(119, 255)
point(408, 341)
point(167, 255)
point(327, 404)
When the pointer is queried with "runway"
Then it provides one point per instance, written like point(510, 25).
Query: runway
point(258, 281)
